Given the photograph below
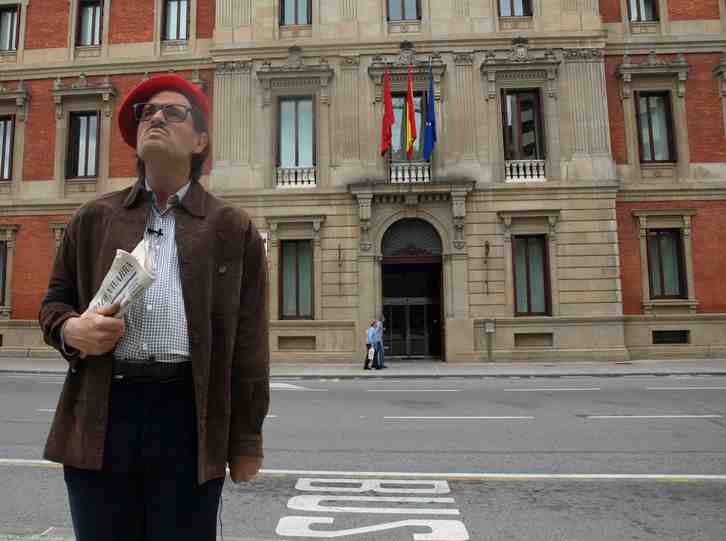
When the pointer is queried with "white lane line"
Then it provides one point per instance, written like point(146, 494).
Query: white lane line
point(46, 410)
point(685, 388)
point(47, 531)
point(459, 418)
point(279, 386)
point(412, 390)
point(552, 389)
point(707, 416)
point(443, 475)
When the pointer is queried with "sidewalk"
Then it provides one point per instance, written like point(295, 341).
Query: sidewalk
point(429, 369)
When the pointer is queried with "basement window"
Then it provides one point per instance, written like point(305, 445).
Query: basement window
point(671, 337)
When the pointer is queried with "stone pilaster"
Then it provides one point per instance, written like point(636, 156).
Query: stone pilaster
point(234, 12)
point(347, 114)
point(465, 110)
point(232, 115)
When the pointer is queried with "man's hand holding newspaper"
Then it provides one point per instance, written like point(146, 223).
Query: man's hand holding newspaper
point(101, 326)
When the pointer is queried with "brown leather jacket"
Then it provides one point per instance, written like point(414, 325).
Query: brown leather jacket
point(224, 282)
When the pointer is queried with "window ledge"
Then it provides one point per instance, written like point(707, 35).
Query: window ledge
point(516, 23)
point(88, 51)
point(80, 185)
point(5, 186)
point(404, 26)
point(296, 31)
point(8, 57)
point(174, 46)
point(670, 305)
point(649, 171)
point(644, 27)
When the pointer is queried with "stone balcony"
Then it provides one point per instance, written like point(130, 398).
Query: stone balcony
point(296, 177)
point(410, 172)
point(524, 171)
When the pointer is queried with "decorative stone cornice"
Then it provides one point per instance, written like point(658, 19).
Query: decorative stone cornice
point(8, 232)
point(398, 66)
point(20, 96)
point(83, 88)
point(520, 63)
point(295, 73)
point(652, 67)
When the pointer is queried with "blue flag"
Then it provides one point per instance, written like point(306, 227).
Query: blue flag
point(430, 131)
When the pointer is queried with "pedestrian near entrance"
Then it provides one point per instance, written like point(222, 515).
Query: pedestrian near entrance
point(379, 342)
point(157, 404)
point(371, 353)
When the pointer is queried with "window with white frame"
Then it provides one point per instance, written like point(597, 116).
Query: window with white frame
point(7, 128)
point(643, 10)
point(90, 15)
point(9, 18)
point(296, 143)
point(82, 159)
point(296, 12)
point(404, 10)
point(175, 25)
point(515, 8)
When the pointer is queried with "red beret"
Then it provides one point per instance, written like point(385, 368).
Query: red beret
point(145, 90)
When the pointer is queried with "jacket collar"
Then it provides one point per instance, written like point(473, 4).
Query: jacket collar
point(194, 201)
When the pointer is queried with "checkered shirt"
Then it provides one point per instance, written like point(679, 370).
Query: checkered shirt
point(157, 323)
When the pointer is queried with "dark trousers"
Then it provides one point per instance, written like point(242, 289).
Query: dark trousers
point(366, 362)
point(147, 489)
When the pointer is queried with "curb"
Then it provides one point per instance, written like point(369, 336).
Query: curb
point(442, 376)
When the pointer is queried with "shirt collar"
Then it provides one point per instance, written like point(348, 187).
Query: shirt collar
point(174, 199)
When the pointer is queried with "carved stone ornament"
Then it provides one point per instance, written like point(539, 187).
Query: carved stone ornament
point(583, 55)
point(653, 67)
point(397, 67)
point(84, 88)
point(224, 68)
point(720, 73)
point(295, 73)
point(20, 96)
point(521, 63)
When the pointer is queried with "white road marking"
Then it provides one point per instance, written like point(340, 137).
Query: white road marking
point(459, 418)
point(685, 388)
point(706, 416)
point(412, 390)
point(47, 531)
point(279, 386)
point(392, 486)
point(46, 410)
point(553, 389)
point(443, 475)
point(314, 503)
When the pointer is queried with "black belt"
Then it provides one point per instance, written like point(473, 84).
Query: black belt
point(151, 371)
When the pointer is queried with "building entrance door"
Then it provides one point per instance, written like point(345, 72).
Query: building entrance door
point(412, 308)
point(411, 272)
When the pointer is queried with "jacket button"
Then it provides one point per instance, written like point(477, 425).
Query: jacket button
point(222, 269)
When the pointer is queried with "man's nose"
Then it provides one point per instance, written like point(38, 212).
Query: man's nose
point(158, 117)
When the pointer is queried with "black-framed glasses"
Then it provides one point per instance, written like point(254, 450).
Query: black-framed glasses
point(173, 112)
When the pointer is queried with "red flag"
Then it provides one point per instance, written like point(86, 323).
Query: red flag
point(410, 116)
point(389, 116)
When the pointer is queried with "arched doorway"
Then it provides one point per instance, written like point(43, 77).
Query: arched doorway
point(411, 271)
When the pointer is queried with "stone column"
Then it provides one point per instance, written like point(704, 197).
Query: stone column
point(7, 235)
point(273, 269)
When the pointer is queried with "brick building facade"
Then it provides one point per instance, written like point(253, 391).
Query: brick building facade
point(572, 208)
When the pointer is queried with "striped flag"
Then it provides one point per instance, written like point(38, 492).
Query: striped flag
point(410, 116)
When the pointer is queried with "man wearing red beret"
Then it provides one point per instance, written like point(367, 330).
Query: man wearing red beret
point(157, 403)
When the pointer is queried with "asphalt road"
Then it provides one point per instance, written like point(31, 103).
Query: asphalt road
point(566, 459)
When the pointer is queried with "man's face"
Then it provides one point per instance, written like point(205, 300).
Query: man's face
point(158, 138)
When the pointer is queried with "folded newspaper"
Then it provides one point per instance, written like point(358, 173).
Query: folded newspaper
point(129, 276)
